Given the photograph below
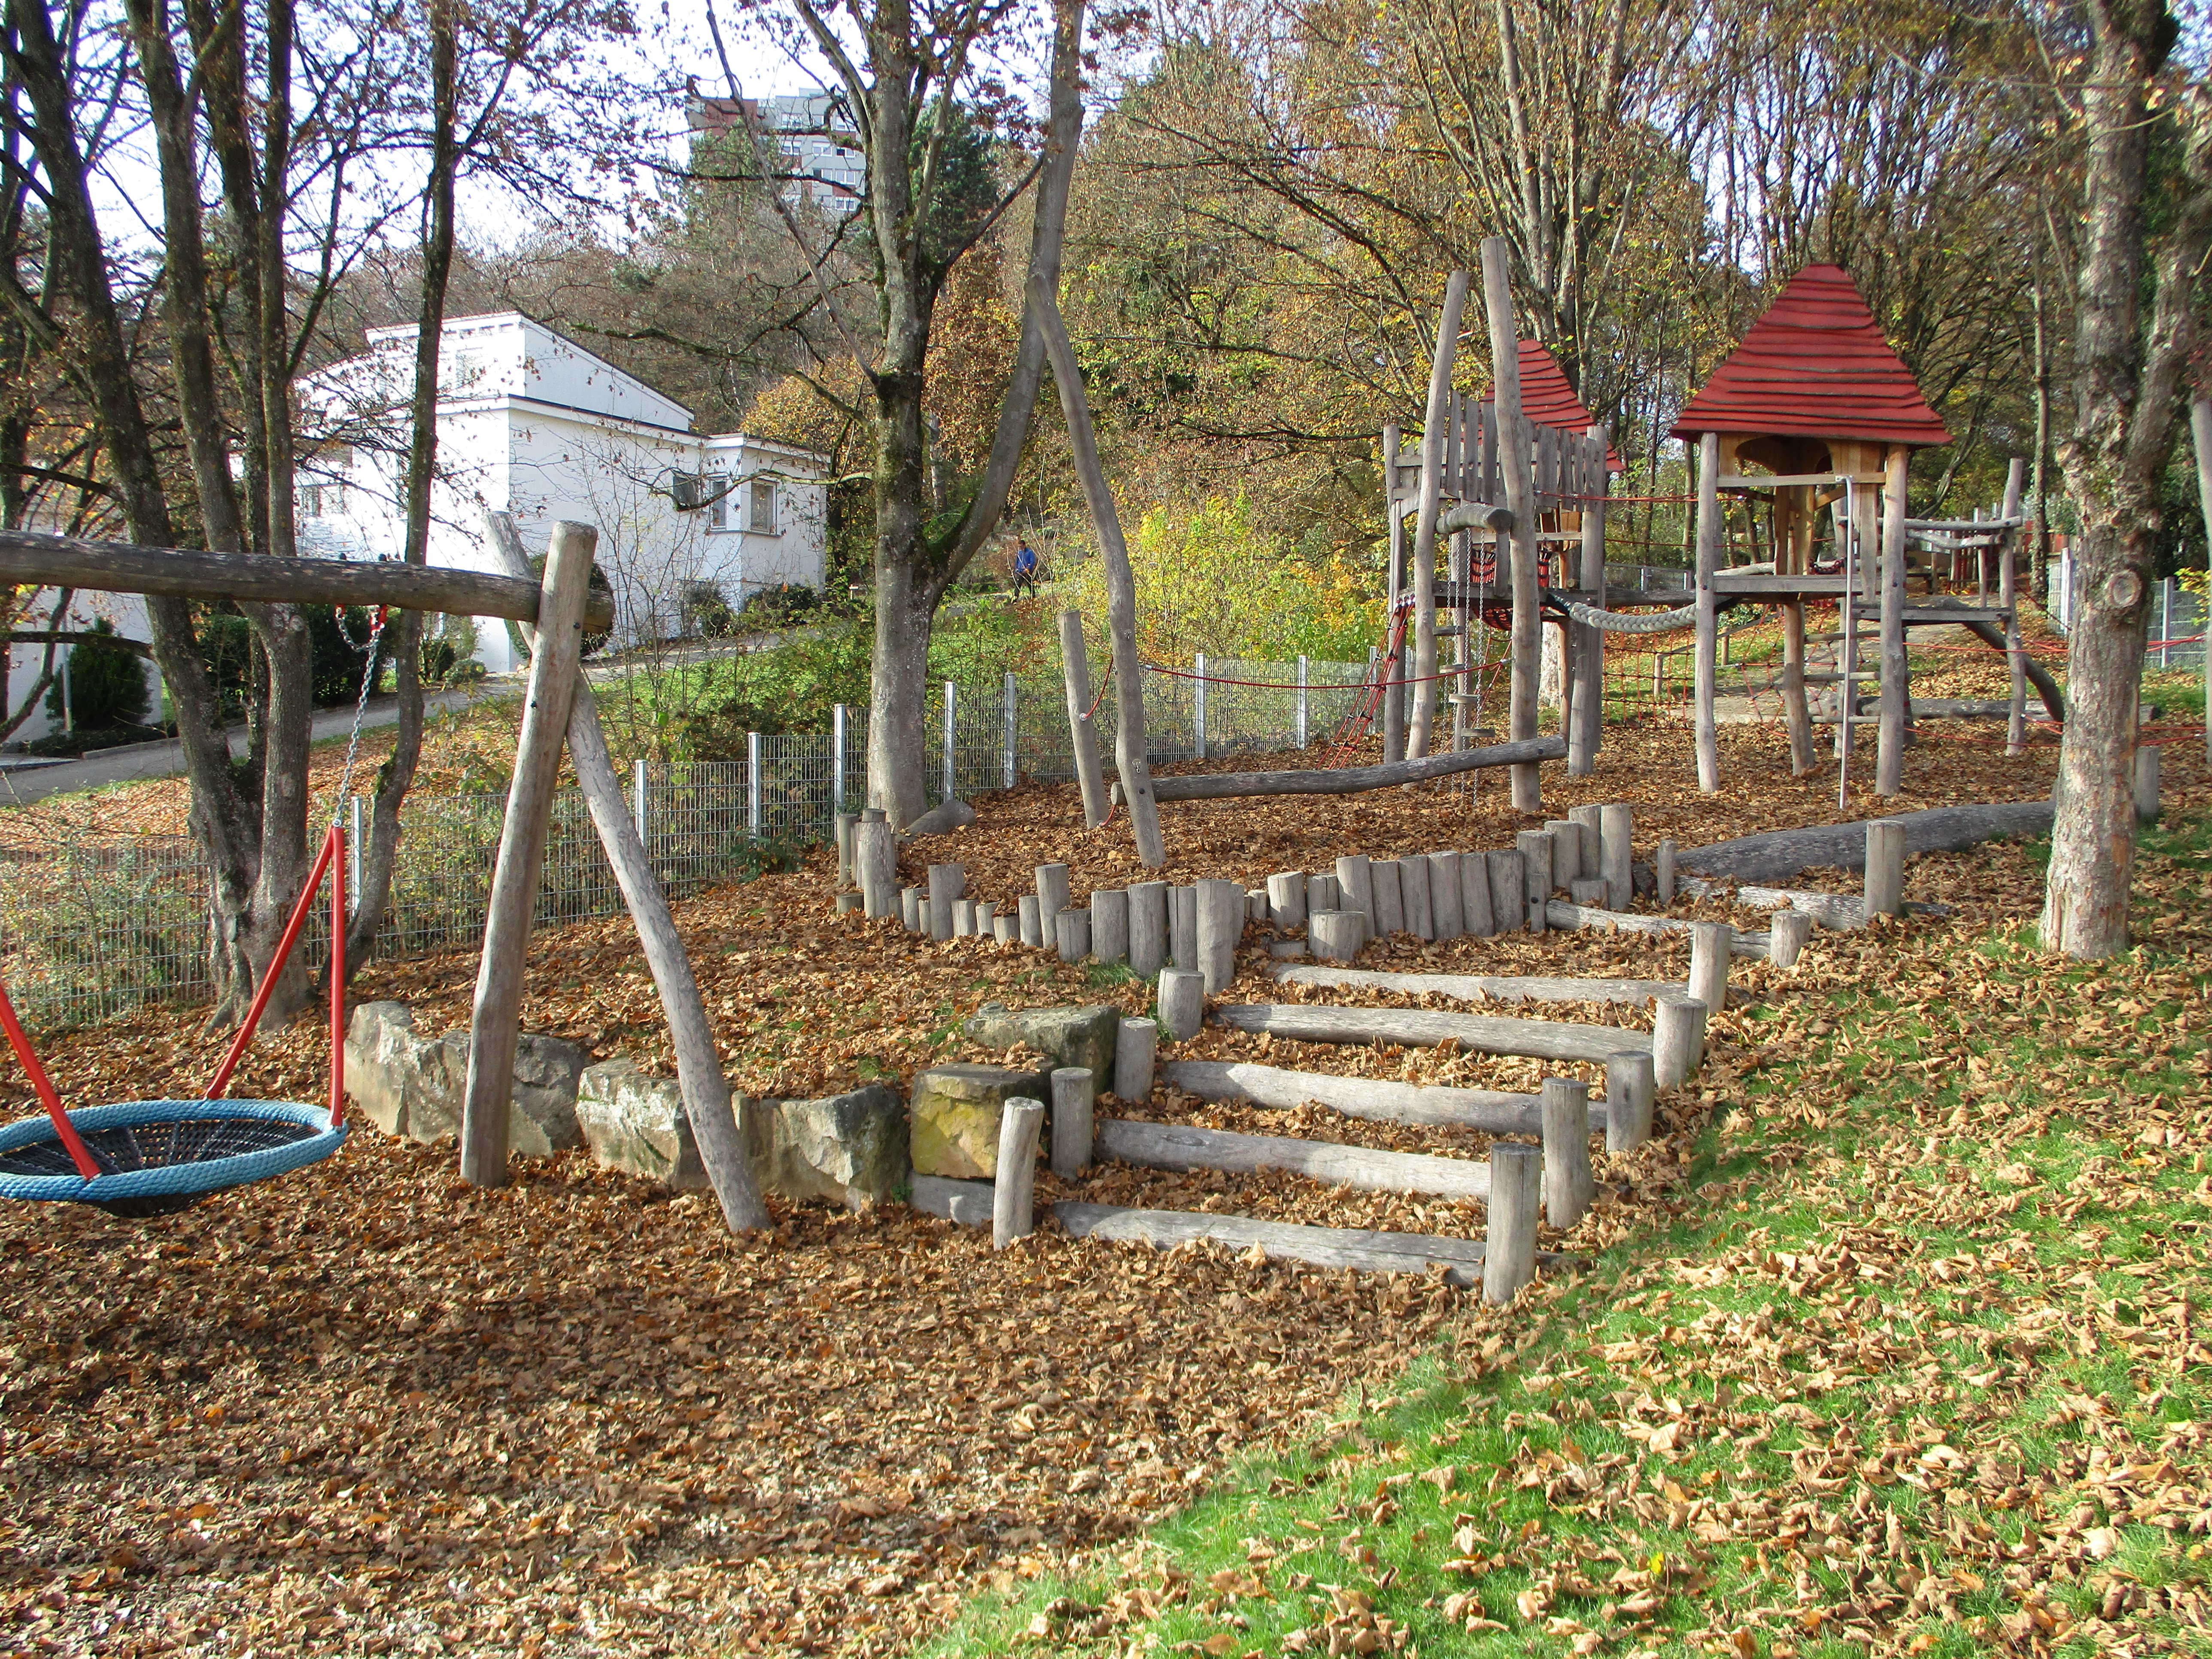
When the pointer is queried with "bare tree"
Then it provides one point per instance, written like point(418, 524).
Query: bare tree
point(2145, 134)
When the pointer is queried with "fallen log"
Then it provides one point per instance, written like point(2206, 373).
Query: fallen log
point(1478, 987)
point(1779, 854)
point(1541, 1039)
point(1352, 780)
point(1184, 1147)
point(1841, 911)
point(1492, 1111)
point(1321, 1247)
point(1558, 912)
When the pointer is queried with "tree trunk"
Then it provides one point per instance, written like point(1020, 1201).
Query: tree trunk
point(2127, 372)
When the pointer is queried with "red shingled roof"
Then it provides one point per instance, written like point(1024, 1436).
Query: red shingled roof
point(1548, 400)
point(1816, 365)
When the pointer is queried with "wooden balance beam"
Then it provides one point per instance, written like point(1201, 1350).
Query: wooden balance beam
point(1352, 780)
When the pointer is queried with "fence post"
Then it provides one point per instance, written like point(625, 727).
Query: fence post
point(753, 783)
point(951, 707)
point(836, 760)
point(1007, 725)
point(353, 854)
point(638, 813)
point(1198, 706)
point(1301, 699)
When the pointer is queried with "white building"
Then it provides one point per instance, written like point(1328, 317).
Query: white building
point(532, 424)
point(821, 144)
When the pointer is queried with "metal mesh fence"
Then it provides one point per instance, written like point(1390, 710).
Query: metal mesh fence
point(87, 933)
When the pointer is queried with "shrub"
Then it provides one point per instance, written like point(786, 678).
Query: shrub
point(106, 685)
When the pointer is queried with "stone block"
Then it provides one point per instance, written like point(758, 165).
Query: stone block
point(1081, 1036)
point(637, 1124)
point(844, 1148)
point(954, 1117)
point(413, 1087)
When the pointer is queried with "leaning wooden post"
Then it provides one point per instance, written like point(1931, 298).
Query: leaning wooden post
point(1569, 1186)
point(1527, 636)
point(1586, 707)
point(699, 1075)
point(1013, 1182)
point(1075, 666)
point(1889, 751)
point(495, 1028)
point(1704, 664)
point(1130, 757)
point(1437, 416)
point(2008, 598)
point(1509, 1245)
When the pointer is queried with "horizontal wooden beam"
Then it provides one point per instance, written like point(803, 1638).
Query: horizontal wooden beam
point(1351, 780)
point(1424, 1028)
point(31, 558)
point(1787, 480)
point(1186, 1147)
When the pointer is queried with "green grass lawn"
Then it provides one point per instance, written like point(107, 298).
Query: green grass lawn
point(1899, 1346)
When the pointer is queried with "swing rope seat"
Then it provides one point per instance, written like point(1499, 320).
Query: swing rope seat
point(146, 1158)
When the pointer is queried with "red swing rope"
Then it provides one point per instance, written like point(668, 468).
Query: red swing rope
point(80, 1154)
point(326, 861)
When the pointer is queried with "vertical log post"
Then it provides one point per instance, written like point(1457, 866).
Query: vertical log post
point(1663, 870)
point(1444, 908)
point(1075, 669)
point(1528, 634)
point(1475, 914)
point(1586, 655)
point(1072, 933)
point(2145, 782)
point(1711, 944)
point(1630, 1087)
point(1434, 421)
point(2009, 596)
point(1569, 1186)
point(1148, 927)
point(1013, 1184)
point(1286, 899)
point(1182, 1003)
point(1509, 1245)
point(1788, 931)
point(1677, 1032)
point(1394, 710)
point(1509, 890)
point(1885, 868)
point(1221, 926)
point(1889, 749)
point(1355, 884)
point(946, 884)
point(1070, 1120)
point(1109, 924)
point(1706, 667)
point(2200, 431)
point(1051, 894)
point(1136, 1047)
point(495, 1026)
point(1616, 828)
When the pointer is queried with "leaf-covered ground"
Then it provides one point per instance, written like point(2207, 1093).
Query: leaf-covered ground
point(366, 1409)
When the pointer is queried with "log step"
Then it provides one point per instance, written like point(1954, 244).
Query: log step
point(1184, 1147)
point(1497, 987)
point(1543, 1039)
point(1560, 914)
point(1492, 1111)
point(1362, 1250)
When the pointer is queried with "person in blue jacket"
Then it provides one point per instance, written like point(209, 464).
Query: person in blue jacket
point(1026, 565)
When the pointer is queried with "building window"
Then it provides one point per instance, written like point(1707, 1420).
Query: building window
point(761, 505)
point(716, 488)
point(322, 500)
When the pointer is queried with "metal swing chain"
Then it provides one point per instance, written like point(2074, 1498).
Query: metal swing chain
point(360, 712)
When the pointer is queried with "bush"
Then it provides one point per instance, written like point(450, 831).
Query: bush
point(106, 685)
point(448, 651)
point(777, 607)
point(337, 651)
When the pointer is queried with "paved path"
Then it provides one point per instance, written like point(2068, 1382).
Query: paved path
point(21, 784)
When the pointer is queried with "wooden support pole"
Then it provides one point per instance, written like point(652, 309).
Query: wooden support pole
point(1394, 705)
point(1129, 750)
point(1706, 667)
point(1513, 456)
point(1569, 1186)
point(1889, 751)
point(495, 1026)
point(1148, 927)
point(1433, 423)
point(1618, 853)
point(1136, 1053)
point(1013, 1184)
point(1182, 1003)
point(1072, 1102)
point(1795, 708)
point(1885, 868)
point(1586, 644)
point(699, 1075)
point(1630, 1087)
point(1711, 944)
point(1677, 1032)
point(2009, 596)
point(1509, 1250)
point(1789, 931)
point(1075, 670)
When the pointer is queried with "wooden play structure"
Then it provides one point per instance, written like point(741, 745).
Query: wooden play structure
point(1816, 399)
point(560, 709)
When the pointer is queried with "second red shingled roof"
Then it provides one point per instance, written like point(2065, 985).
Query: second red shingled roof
point(1548, 400)
point(1816, 364)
